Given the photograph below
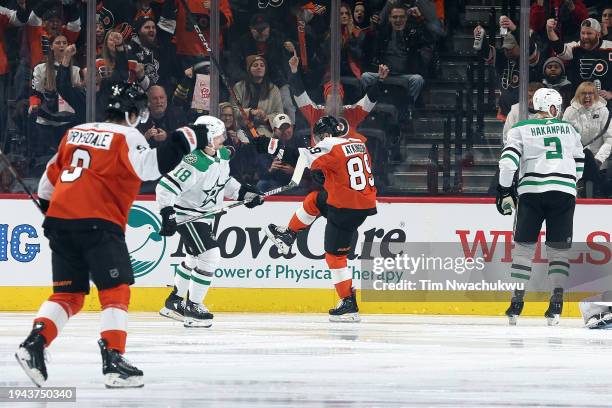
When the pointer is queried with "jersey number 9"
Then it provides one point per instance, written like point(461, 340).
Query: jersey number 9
point(360, 172)
point(81, 159)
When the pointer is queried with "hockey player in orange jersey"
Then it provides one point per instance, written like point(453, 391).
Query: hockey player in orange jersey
point(347, 199)
point(87, 191)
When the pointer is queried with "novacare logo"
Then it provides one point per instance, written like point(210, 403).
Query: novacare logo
point(145, 244)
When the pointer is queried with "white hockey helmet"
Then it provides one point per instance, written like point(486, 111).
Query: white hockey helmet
point(215, 126)
point(544, 98)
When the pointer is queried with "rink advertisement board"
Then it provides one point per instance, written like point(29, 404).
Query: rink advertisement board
point(249, 259)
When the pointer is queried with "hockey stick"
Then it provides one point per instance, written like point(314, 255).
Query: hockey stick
point(238, 203)
point(20, 180)
point(298, 171)
point(222, 75)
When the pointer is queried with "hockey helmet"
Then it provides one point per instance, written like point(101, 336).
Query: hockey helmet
point(327, 124)
point(215, 126)
point(128, 98)
point(544, 98)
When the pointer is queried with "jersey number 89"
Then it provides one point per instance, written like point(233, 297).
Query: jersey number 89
point(358, 177)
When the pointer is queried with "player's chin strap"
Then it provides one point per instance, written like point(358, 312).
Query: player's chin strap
point(300, 166)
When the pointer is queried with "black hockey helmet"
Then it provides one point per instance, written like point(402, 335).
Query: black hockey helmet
point(328, 124)
point(126, 98)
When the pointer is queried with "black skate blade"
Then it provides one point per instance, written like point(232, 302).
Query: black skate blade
point(35, 375)
point(280, 245)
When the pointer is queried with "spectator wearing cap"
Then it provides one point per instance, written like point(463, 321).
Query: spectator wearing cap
point(145, 50)
point(506, 63)
point(278, 173)
point(47, 20)
point(404, 47)
point(570, 13)
point(274, 47)
point(555, 78)
point(260, 98)
point(589, 115)
point(606, 24)
point(586, 59)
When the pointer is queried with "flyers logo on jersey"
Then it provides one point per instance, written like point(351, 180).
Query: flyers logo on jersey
point(91, 138)
point(593, 68)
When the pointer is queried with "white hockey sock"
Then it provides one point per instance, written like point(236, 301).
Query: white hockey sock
point(199, 284)
point(182, 279)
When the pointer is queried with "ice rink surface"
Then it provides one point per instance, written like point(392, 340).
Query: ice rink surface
point(295, 360)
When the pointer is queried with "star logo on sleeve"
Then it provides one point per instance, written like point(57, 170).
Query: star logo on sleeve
point(212, 193)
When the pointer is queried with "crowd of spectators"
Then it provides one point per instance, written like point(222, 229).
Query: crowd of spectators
point(276, 54)
point(569, 51)
point(277, 57)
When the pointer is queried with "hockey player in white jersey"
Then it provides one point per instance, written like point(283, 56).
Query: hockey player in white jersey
point(550, 159)
point(198, 185)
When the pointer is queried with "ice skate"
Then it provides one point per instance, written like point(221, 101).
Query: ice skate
point(31, 355)
point(118, 372)
point(174, 307)
point(197, 315)
point(553, 313)
point(282, 237)
point(346, 310)
point(600, 320)
point(516, 307)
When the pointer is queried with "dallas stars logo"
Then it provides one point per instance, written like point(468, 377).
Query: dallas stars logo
point(116, 90)
point(213, 193)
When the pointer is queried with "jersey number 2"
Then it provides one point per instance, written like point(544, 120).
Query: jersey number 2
point(358, 177)
point(80, 160)
point(553, 154)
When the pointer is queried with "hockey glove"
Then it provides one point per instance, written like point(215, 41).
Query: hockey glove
point(168, 227)
point(44, 205)
point(251, 196)
point(201, 132)
point(264, 144)
point(505, 200)
point(318, 176)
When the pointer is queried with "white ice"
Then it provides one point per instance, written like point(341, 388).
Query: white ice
point(301, 360)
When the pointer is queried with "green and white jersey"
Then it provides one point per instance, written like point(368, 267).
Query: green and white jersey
point(548, 153)
point(197, 185)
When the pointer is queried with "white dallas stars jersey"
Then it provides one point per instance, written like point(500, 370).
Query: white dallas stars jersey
point(197, 185)
point(548, 153)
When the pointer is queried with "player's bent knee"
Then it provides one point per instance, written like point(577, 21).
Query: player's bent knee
point(209, 260)
point(336, 261)
point(118, 297)
point(71, 302)
point(310, 204)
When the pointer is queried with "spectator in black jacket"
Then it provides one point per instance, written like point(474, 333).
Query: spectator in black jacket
point(145, 50)
point(587, 59)
point(404, 46)
point(262, 40)
point(162, 118)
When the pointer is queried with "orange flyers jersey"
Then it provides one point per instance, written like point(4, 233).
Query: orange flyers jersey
point(187, 42)
point(347, 168)
point(96, 174)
